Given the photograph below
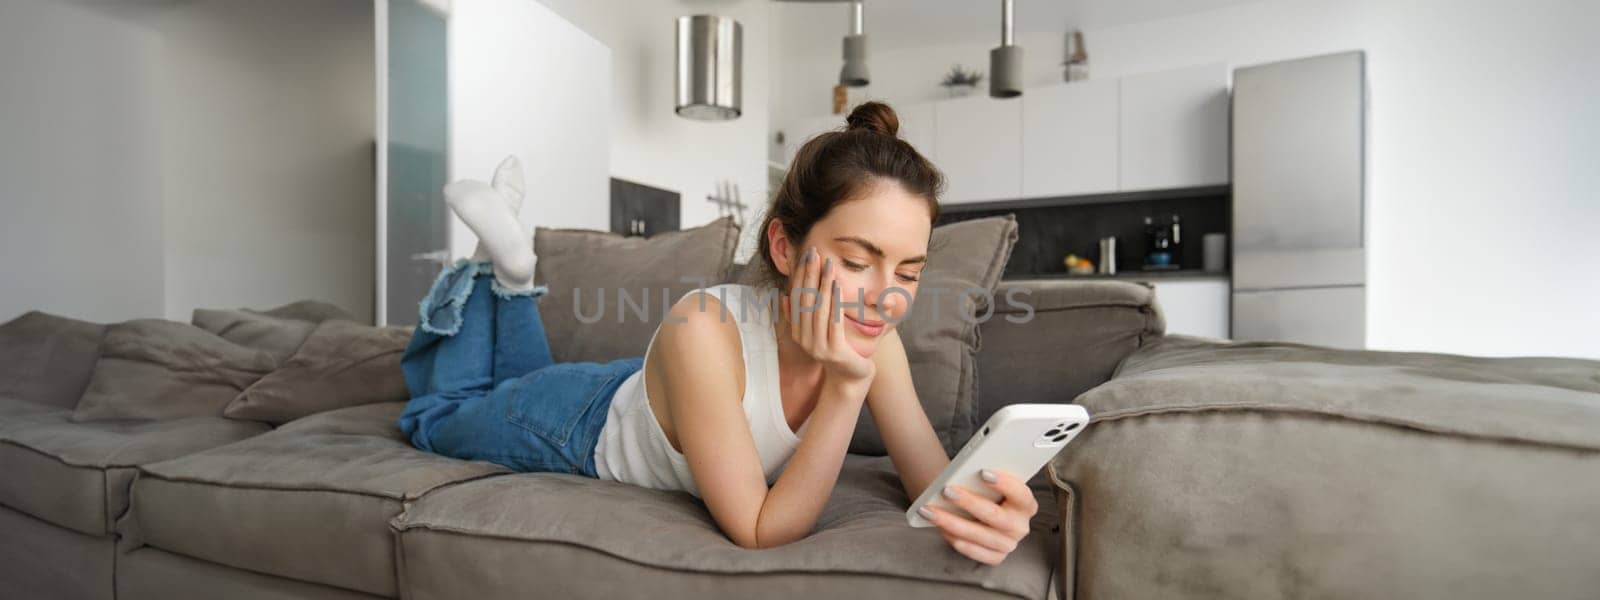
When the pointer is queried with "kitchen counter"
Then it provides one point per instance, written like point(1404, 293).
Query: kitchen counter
point(1135, 275)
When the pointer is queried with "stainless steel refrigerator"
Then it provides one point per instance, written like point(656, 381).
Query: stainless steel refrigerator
point(1299, 189)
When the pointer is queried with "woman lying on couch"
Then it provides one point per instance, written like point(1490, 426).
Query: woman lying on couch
point(750, 413)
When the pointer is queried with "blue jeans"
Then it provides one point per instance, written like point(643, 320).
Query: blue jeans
point(484, 387)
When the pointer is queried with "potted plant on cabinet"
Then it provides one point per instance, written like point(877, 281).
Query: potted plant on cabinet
point(960, 82)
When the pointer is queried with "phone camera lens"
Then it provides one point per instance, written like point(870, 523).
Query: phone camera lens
point(986, 431)
point(1071, 427)
point(1051, 433)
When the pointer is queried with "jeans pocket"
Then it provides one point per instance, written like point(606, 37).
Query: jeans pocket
point(552, 401)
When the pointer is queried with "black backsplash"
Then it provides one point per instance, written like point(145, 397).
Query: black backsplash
point(658, 208)
point(1050, 229)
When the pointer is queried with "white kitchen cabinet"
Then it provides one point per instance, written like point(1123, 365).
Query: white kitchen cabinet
point(1174, 128)
point(978, 145)
point(1069, 139)
point(916, 126)
point(1194, 306)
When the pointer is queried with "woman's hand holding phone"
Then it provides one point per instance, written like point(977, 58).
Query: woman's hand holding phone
point(999, 526)
point(819, 328)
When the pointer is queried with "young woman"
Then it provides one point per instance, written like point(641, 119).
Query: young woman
point(745, 399)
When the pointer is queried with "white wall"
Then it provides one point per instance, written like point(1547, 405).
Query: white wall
point(650, 144)
point(267, 153)
point(1485, 128)
point(80, 209)
point(163, 156)
point(524, 81)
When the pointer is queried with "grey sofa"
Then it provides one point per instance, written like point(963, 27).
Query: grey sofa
point(1213, 470)
point(337, 505)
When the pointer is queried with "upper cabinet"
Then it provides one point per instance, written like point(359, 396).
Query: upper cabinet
point(1069, 139)
point(1162, 130)
point(916, 126)
point(978, 144)
point(1174, 128)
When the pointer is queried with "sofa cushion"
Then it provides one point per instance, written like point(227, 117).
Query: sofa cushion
point(47, 359)
point(76, 475)
point(40, 560)
point(1050, 339)
point(279, 331)
point(341, 364)
point(1548, 401)
point(278, 336)
point(1261, 469)
point(652, 271)
point(941, 344)
point(310, 501)
point(12, 408)
point(159, 369)
point(567, 534)
point(150, 574)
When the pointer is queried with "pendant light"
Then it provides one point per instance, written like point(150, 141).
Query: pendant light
point(1005, 62)
point(854, 72)
point(710, 50)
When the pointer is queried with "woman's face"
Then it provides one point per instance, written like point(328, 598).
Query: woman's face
point(879, 245)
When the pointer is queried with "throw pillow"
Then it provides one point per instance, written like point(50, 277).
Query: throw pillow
point(277, 336)
point(315, 311)
point(47, 359)
point(652, 271)
point(941, 345)
point(279, 331)
point(341, 364)
point(159, 369)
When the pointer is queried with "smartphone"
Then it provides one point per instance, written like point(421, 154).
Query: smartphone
point(1018, 438)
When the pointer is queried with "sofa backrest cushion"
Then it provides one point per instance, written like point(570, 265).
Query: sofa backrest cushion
point(159, 369)
point(341, 364)
point(653, 271)
point(1052, 339)
point(47, 358)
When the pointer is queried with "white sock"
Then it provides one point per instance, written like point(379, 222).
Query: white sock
point(508, 181)
point(487, 212)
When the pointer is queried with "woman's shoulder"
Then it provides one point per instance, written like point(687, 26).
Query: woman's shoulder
point(736, 302)
point(698, 331)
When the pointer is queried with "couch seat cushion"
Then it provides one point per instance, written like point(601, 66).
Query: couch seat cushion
point(310, 501)
point(560, 532)
point(76, 475)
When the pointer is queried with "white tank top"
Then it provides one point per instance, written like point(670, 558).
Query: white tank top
point(633, 448)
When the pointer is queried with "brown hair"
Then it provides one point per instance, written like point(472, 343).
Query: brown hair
point(837, 166)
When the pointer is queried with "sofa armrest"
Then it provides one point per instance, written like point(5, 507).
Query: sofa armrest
point(1066, 505)
point(1049, 340)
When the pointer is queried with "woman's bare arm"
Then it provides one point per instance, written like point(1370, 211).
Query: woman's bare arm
point(700, 353)
point(801, 492)
point(907, 434)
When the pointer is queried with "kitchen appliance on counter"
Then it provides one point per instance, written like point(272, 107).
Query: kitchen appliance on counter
point(1299, 179)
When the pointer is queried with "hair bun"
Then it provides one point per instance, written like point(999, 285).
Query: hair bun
point(874, 116)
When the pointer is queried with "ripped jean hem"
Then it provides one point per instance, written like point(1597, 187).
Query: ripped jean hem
point(449, 293)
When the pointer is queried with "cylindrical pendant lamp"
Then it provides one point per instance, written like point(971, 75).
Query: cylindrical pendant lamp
point(710, 54)
point(1005, 62)
point(854, 71)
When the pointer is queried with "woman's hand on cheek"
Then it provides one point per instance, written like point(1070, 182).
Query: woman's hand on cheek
point(999, 526)
point(817, 325)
